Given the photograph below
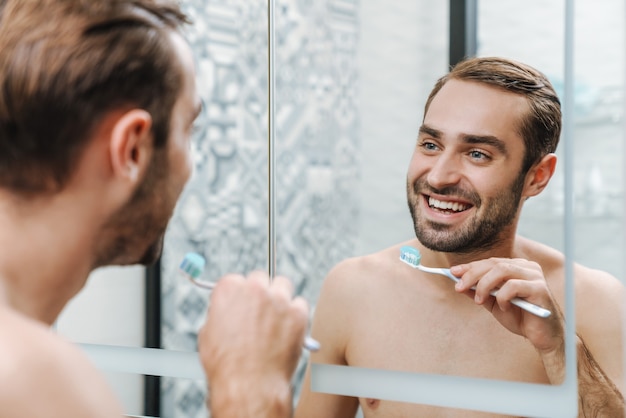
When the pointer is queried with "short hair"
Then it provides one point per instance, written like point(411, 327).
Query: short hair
point(541, 127)
point(64, 64)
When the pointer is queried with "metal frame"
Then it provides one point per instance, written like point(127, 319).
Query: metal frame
point(152, 337)
point(463, 28)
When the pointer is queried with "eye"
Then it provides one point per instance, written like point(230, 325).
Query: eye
point(479, 155)
point(428, 146)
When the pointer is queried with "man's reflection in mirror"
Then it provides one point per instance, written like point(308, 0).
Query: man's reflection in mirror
point(486, 145)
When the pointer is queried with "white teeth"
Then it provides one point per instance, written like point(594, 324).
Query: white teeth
point(453, 206)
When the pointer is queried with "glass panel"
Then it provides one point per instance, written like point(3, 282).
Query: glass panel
point(598, 111)
point(352, 78)
point(501, 26)
point(222, 213)
point(599, 136)
point(348, 104)
point(128, 388)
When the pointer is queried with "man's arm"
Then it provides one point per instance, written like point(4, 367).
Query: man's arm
point(250, 346)
point(600, 313)
point(598, 395)
point(599, 310)
point(331, 327)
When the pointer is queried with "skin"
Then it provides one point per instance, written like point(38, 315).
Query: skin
point(250, 375)
point(109, 214)
point(468, 153)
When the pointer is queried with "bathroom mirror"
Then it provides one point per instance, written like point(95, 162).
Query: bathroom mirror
point(351, 79)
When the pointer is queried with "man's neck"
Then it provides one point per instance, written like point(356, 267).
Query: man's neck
point(45, 257)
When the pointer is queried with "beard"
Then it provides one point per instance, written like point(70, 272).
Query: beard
point(153, 252)
point(135, 233)
point(482, 232)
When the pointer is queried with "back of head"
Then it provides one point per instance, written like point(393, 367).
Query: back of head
point(64, 64)
point(541, 126)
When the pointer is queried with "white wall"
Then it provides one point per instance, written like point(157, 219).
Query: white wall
point(110, 310)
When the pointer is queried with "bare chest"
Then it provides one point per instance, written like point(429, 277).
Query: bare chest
point(478, 348)
point(427, 337)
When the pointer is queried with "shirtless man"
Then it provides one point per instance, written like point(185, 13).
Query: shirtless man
point(485, 146)
point(97, 102)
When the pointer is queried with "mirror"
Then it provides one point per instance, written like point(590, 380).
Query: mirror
point(351, 82)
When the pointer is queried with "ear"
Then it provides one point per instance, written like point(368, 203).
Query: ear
point(131, 145)
point(539, 175)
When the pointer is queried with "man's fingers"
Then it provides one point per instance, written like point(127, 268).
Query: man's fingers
point(259, 277)
point(283, 286)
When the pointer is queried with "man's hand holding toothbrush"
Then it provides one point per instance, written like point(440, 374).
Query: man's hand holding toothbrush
point(523, 279)
point(251, 343)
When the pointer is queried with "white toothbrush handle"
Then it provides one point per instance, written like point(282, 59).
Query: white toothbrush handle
point(311, 344)
point(521, 303)
point(527, 306)
point(524, 304)
point(203, 284)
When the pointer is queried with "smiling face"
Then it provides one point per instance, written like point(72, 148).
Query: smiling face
point(464, 183)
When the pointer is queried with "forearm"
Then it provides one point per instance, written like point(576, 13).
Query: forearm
point(252, 401)
point(597, 394)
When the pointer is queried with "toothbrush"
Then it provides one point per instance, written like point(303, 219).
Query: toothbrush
point(412, 257)
point(192, 267)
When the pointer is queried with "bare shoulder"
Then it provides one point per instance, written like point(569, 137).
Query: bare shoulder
point(600, 298)
point(364, 274)
point(551, 260)
point(349, 292)
point(43, 375)
point(600, 319)
point(592, 286)
point(351, 281)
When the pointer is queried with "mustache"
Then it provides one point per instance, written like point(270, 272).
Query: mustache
point(420, 186)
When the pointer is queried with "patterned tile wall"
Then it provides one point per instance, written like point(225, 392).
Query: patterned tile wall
point(223, 211)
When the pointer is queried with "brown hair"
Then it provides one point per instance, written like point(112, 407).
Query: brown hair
point(541, 127)
point(64, 64)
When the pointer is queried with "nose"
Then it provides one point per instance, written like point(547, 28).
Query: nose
point(445, 171)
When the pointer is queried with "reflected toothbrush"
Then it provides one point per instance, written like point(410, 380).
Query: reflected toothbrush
point(412, 257)
point(192, 267)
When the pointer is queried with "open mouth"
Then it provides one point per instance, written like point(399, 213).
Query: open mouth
point(447, 206)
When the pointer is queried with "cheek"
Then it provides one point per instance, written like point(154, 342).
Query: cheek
point(492, 187)
point(182, 159)
point(178, 174)
point(417, 167)
point(413, 165)
point(187, 163)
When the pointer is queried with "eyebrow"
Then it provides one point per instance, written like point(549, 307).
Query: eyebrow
point(490, 140)
point(435, 133)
